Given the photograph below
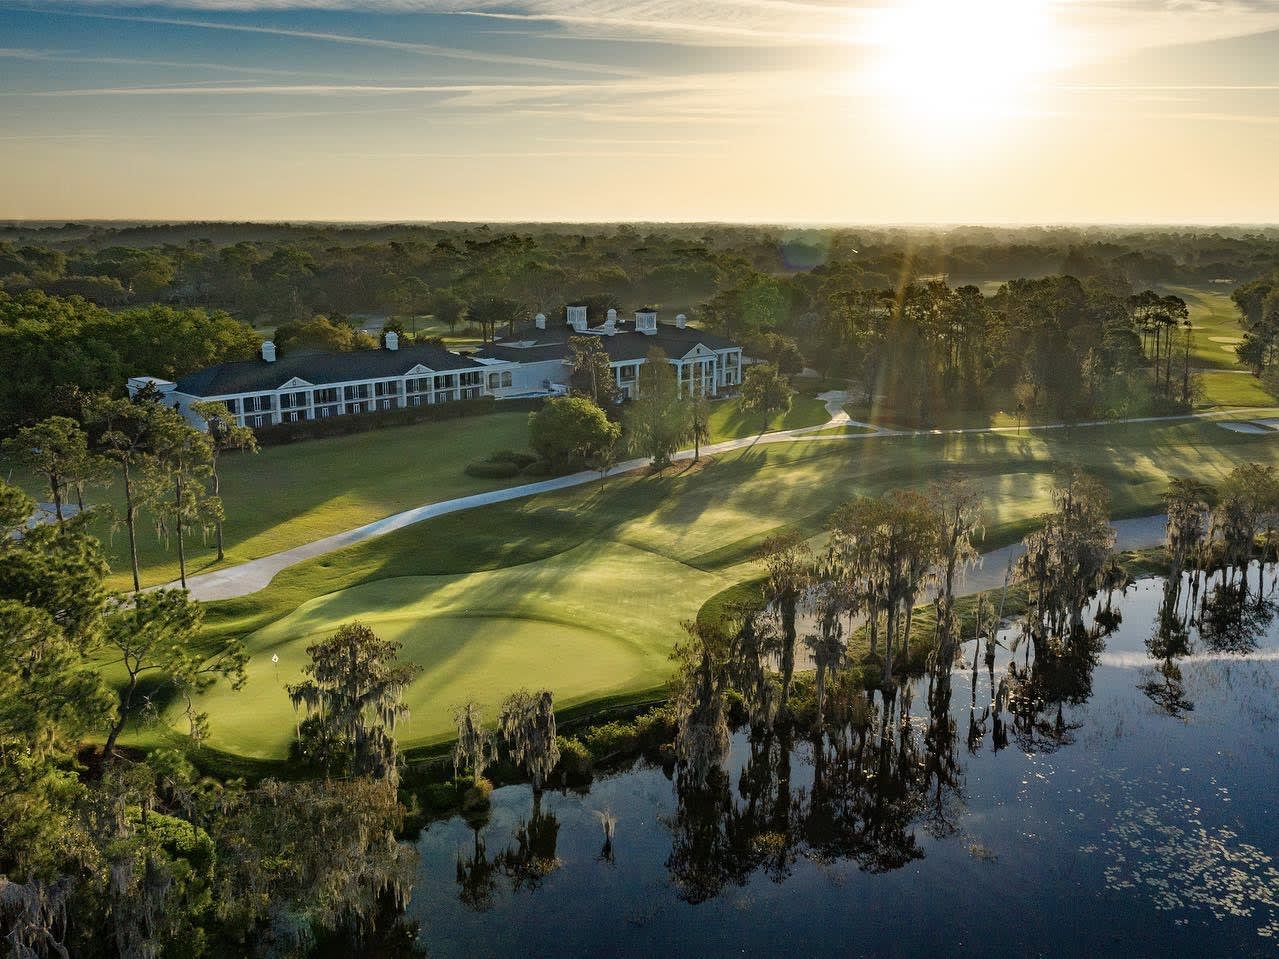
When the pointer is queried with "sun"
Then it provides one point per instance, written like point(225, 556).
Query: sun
point(960, 63)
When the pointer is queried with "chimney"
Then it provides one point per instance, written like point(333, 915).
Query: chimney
point(577, 318)
point(392, 340)
point(612, 317)
point(681, 321)
point(268, 351)
point(540, 321)
point(610, 326)
point(646, 321)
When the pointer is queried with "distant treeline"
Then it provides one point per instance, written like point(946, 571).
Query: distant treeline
point(288, 272)
point(1061, 322)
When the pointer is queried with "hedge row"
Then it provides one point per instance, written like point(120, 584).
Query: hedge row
point(281, 433)
point(506, 464)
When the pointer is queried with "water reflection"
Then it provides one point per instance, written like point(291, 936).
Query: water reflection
point(1079, 776)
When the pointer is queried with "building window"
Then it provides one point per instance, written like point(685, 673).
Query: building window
point(506, 378)
point(495, 381)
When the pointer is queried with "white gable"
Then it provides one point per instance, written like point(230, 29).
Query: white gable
point(295, 383)
point(418, 369)
point(697, 351)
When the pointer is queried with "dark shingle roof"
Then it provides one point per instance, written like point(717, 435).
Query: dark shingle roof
point(626, 344)
point(247, 376)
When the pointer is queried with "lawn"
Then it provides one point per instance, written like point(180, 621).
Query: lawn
point(729, 422)
point(1224, 388)
point(847, 429)
point(1216, 327)
point(592, 622)
point(583, 590)
point(288, 495)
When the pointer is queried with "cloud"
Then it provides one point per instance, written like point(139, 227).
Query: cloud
point(421, 49)
point(1107, 27)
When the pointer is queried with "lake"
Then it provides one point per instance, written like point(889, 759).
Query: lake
point(1122, 805)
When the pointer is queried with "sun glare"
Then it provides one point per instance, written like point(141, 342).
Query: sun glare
point(951, 64)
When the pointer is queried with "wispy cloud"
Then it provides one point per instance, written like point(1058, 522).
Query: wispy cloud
point(309, 89)
point(682, 28)
point(535, 155)
point(1106, 26)
point(62, 56)
point(403, 46)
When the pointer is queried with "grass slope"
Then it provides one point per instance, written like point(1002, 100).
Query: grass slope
point(583, 590)
point(729, 422)
point(593, 622)
point(288, 495)
point(1216, 327)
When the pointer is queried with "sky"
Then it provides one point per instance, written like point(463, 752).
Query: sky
point(780, 111)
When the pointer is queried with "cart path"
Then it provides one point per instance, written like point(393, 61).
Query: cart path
point(249, 577)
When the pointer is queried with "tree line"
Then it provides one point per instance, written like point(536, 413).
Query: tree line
point(55, 351)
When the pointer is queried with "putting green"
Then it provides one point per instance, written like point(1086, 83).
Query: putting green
point(583, 590)
point(597, 620)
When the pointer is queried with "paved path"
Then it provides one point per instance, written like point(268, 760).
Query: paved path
point(254, 575)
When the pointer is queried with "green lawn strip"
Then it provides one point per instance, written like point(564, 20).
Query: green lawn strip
point(1226, 389)
point(1216, 323)
point(594, 623)
point(848, 429)
point(729, 422)
point(584, 589)
point(288, 495)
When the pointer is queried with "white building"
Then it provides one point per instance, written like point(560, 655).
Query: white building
point(541, 353)
point(309, 385)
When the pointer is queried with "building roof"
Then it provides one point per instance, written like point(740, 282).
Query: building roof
point(247, 376)
point(627, 344)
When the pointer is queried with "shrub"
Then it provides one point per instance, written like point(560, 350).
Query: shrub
point(438, 797)
point(575, 764)
point(612, 738)
point(540, 468)
point(485, 469)
point(521, 460)
point(477, 795)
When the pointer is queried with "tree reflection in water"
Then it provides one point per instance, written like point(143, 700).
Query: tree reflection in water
point(883, 777)
point(1231, 619)
point(532, 858)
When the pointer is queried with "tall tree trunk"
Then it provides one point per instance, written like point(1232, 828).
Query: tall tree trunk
point(122, 717)
point(177, 522)
point(217, 523)
point(55, 487)
point(130, 522)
